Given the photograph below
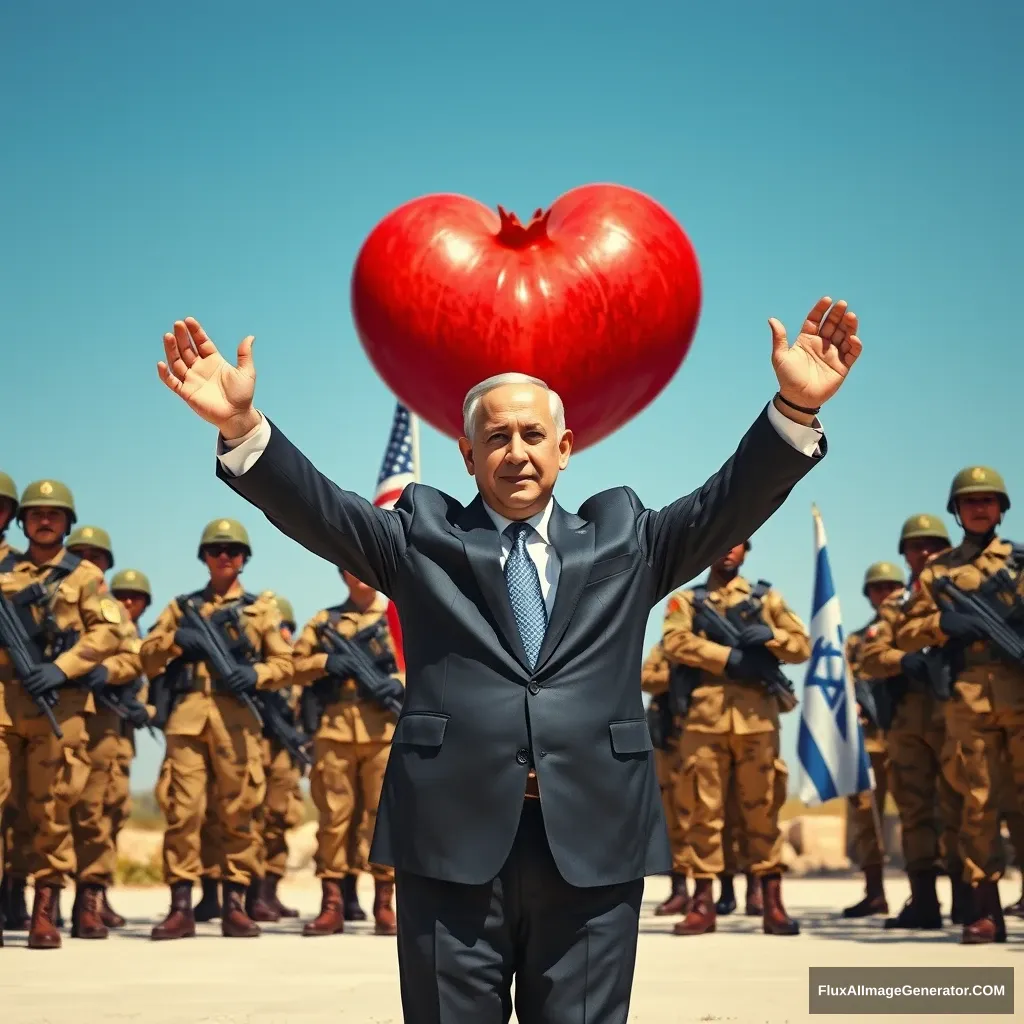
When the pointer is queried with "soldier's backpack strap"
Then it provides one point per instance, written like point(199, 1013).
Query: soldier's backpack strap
point(10, 560)
point(760, 590)
point(1016, 556)
point(65, 567)
point(700, 595)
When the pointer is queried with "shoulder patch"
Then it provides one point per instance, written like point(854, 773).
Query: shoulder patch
point(110, 611)
point(871, 632)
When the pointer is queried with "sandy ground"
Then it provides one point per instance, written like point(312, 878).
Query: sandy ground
point(736, 975)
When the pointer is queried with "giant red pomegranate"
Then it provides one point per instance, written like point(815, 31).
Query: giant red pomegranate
point(599, 297)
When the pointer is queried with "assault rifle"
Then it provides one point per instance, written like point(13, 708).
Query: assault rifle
point(726, 630)
point(659, 720)
point(370, 659)
point(25, 656)
point(999, 621)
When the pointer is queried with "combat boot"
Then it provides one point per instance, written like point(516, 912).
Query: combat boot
point(111, 918)
point(874, 901)
point(208, 908)
point(43, 932)
point(678, 901)
point(236, 923)
point(384, 922)
point(1017, 909)
point(776, 920)
point(989, 925)
point(14, 907)
point(726, 896)
point(922, 910)
point(180, 922)
point(700, 918)
point(350, 898)
point(271, 898)
point(256, 905)
point(87, 913)
point(755, 896)
point(331, 920)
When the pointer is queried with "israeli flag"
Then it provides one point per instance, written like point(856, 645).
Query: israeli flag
point(833, 761)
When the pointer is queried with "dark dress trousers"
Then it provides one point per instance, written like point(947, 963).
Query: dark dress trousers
point(490, 885)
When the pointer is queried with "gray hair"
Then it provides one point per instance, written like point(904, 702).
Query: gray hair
point(475, 393)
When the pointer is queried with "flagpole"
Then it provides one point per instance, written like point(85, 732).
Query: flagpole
point(415, 423)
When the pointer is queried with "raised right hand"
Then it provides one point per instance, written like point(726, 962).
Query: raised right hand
point(219, 392)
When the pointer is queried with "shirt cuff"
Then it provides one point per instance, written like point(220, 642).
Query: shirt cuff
point(240, 454)
point(806, 439)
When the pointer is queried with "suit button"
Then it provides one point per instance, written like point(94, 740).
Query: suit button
point(522, 755)
point(533, 688)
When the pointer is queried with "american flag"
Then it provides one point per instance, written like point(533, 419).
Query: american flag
point(399, 467)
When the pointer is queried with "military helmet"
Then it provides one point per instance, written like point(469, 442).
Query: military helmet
point(923, 525)
point(8, 490)
point(132, 581)
point(48, 494)
point(224, 531)
point(93, 537)
point(284, 606)
point(882, 572)
point(978, 480)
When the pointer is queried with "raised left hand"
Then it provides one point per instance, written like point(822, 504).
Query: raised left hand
point(811, 371)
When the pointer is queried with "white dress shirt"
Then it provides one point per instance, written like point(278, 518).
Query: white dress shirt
point(239, 456)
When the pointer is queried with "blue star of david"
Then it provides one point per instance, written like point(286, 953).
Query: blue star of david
point(828, 673)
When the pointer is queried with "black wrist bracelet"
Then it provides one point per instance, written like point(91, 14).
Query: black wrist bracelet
point(799, 408)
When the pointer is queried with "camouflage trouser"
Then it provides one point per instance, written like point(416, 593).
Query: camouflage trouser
point(734, 842)
point(281, 810)
point(989, 756)
point(17, 829)
point(860, 816)
point(710, 764)
point(667, 765)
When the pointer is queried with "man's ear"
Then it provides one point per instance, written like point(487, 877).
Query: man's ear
point(564, 449)
point(466, 447)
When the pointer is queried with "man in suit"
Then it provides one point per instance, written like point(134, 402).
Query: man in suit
point(520, 808)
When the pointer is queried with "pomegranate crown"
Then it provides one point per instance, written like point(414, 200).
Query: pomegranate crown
point(516, 235)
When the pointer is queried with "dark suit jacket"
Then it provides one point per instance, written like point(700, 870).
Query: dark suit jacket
point(475, 715)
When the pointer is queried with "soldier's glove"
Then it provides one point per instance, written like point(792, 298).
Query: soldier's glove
point(95, 679)
point(191, 643)
point(915, 666)
point(393, 690)
point(242, 679)
point(756, 635)
point(138, 714)
point(341, 666)
point(750, 665)
point(959, 626)
point(44, 678)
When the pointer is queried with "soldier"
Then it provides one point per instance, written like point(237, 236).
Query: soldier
point(864, 810)
point(107, 790)
point(731, 732)
point(985, 721)
point(75, 627)
point(8, 510)
point(282, 809)
point(212, 732)
point(352, 742)
point(655, 680)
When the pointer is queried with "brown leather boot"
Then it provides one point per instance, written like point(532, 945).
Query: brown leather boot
point(350, 898)
point(331, 920)
point(271, 899)
point(990, 925)
point(874, 901)
point(256, 905)
point(700, 918)
point(43, 932)
point(678, 901)
point(110, 917)
point(208, 908)
point(776, 920)
point(180, 922)
point(384, 921)
point(87, 913)
point(14, 908)
point(726, 896)
point(922, 910)
point(236, 923)
point(755, 896)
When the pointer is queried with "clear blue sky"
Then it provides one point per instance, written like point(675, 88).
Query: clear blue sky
point(226, 161)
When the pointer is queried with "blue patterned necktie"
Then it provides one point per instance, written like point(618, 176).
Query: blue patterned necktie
point(524, 592)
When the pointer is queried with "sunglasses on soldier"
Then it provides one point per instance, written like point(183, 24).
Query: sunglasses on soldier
point(231, 550)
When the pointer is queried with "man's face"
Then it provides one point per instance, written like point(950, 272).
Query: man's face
point(134, 602)
point(979, 512)
point(225, 561)
point(97, 556)
point(731, 560)
point(878, 592)
point(45, 526)
point(516, 453)
point(918, 550)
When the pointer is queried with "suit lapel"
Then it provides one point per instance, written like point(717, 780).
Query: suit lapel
point(573, 541)
point(483, 551)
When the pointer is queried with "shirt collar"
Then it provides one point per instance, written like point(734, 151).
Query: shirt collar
point(539, 522)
